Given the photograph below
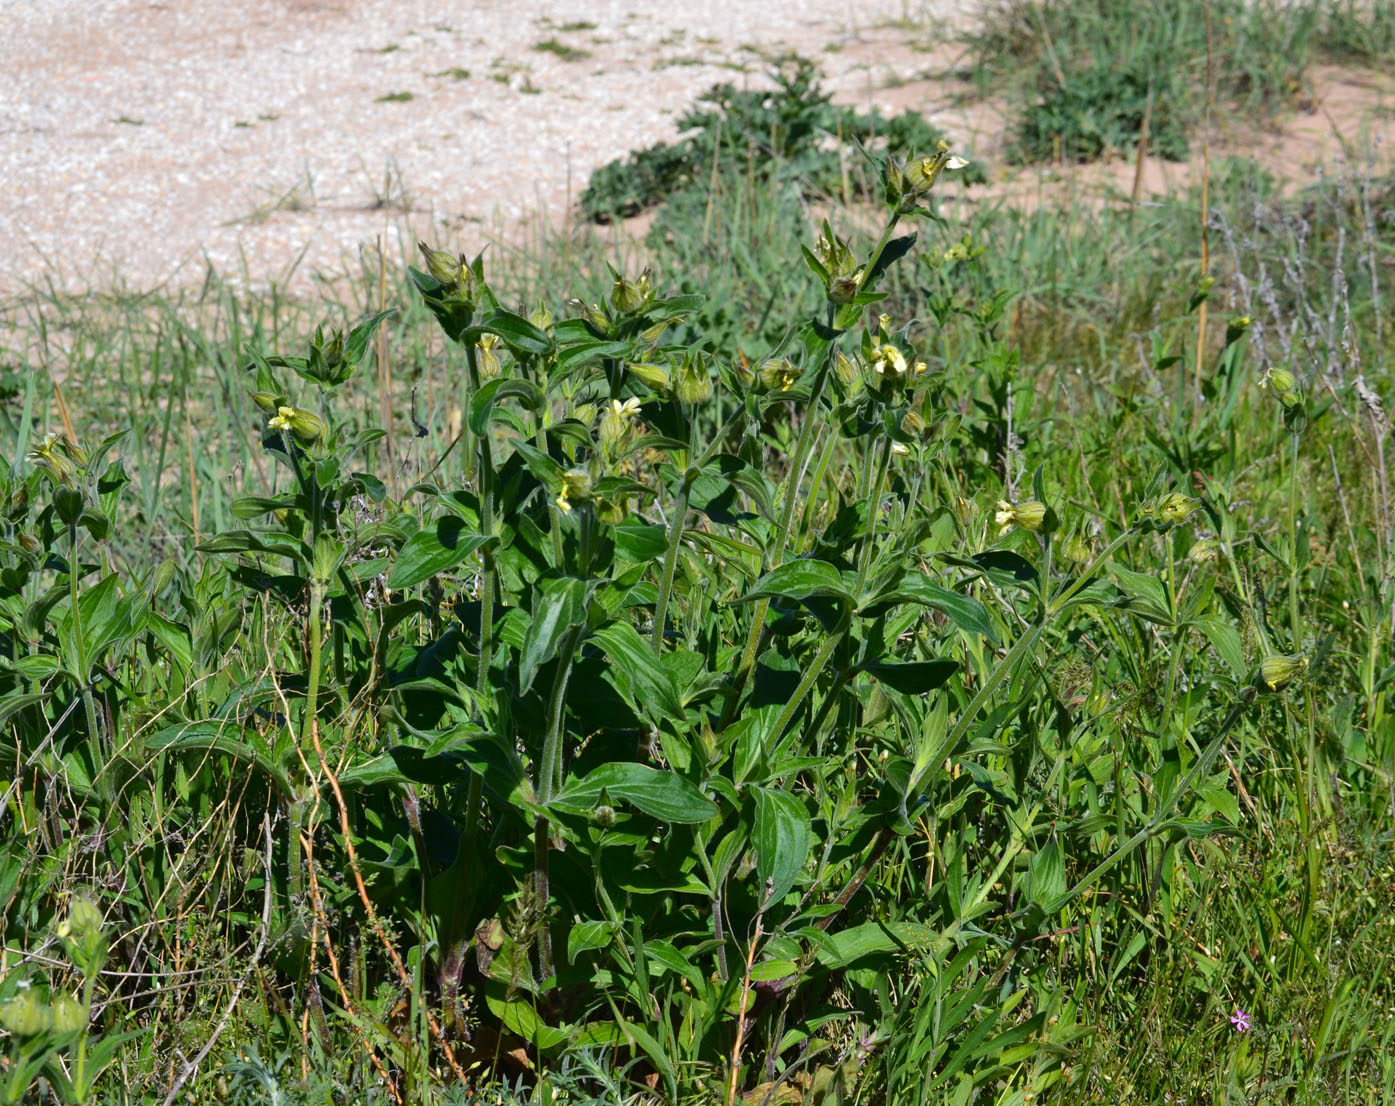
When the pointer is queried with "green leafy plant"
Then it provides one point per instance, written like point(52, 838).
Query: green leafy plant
point(47, 1025)
point(793, 133)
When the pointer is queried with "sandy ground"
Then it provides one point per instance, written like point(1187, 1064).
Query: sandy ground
point(141, 142)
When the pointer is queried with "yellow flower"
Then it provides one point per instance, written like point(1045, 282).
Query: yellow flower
point(1030, 515)
point(282, 419)
point(305, 425)
point(576, 485)
point(887, 358)
point(51, 453)
point(778, 373)
point(488, 359)
point(1279, 671)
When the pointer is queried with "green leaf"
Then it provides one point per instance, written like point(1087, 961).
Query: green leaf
point(223, 737)
point(782, 837)
point(1048, 873)
point(518, 332)
point(841, 949)
point(913, 677)
point(249, 541)
point(559, 607)
point(1225, 639)
point(965, 612)
point(896, 249)
point(357, 344)
point(520, 1016)
point(254, 506)
point(639, 542)
point(663, 795)
point(802, 579)
point(432, 550)
point(482, 404)
point(586, 936)
point(639, 675)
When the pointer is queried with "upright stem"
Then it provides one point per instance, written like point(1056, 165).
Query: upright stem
point(312, 677)
point(675, 538)
point(78, 639)
point(1295, 626)
point(844, 318)
point(864, 560)
point(488, 576)
point(549, 783)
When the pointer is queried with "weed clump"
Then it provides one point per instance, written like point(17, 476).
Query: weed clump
point(793, 133)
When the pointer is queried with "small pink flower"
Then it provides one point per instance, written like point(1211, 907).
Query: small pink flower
point(1240, 1020)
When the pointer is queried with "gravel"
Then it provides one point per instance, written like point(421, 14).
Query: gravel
point(141, 143)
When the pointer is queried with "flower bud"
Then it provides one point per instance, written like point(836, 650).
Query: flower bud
point(694, 383)
point(305, 426)
point(655, 376)
point(267, 401)
point(451, 272)
point(594, 316)
point(1175, 507)
point(1277, 672)
point(18, 505)
point(48, 453)
point(777, 374)
point(604, 815)
point(629, 297)
point(894, 183)
point(846, 370)
point(25, 1015)
point(612, 512)
point(1029, 515)
point(834, 254)
point(922, 171)
point(844, 289)
point(912, 424)
point(541, 317)
point(67, 1015)
point(1284, 386)
point(1077, 550)
point(84, 917)
point(1204, 551)
point(487, 360)
point(615, 425)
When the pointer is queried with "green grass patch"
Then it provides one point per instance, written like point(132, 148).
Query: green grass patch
point(1084, 76)
point(561, 49)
